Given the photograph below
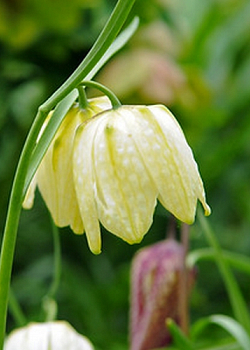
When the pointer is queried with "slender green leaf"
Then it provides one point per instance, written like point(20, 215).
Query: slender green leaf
point(238, 261)
point(15, 309)
point(236, 299)
point(234, 328)
point(227, 346)
point(179, 337)
point(230, 325)
point(119, 42)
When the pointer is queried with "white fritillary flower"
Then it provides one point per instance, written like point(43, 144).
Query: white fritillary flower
point(123, 161)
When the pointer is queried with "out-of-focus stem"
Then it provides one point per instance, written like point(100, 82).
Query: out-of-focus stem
point(183, 283)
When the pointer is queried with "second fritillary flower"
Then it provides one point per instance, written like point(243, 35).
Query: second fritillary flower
point(57, 335)
point(54, 176)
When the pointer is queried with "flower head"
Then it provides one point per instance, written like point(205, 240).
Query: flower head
point(58, 335)
point(54, 176)
point(123, 160)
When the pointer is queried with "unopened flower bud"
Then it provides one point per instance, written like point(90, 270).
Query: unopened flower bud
point(155, 277)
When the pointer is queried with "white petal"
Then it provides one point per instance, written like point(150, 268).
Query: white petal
point(85, 183)
point(125, 194)
point(55, 176)
point(184, 159)
point(169, 160)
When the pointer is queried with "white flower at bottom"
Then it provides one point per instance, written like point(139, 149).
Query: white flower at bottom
point(58, 335)
point(123, 160)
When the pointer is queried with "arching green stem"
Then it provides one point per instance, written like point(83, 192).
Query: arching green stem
point(113, 99)
point(105, 39)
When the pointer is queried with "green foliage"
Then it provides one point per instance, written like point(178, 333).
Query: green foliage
point(204, 49)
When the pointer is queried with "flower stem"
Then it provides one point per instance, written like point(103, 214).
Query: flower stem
point(183, 283)
point(83, 102)
point(237, 301)
point(57, 261)
point(113, 99)
point(16, 310)
point(103, 42)
point(12, 220)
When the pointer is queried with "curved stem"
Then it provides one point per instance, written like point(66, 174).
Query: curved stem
point(113, 99)
point(103, 42)
point(65, 104)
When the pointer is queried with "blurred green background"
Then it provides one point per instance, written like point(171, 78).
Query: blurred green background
point(194, 57)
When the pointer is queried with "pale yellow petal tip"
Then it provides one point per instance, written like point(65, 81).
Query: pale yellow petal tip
point(94, 243)
point(29, 198)
point(95, 250)
point(207, 209)
point(28, 203)
point(77, 232)
point(134, 240)
point(189, 221)
point(30, 194)
point(77, 227)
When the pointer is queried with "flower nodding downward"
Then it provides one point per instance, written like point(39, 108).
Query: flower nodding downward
point(126, 159)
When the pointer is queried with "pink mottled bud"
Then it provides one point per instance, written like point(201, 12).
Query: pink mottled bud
point(154, 293)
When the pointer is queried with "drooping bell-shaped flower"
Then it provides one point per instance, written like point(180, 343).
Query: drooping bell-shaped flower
point(155, 278)
point(126, 158)
point(54, 176)
point(58, 335)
